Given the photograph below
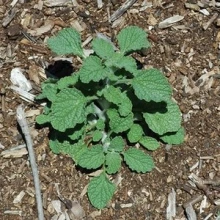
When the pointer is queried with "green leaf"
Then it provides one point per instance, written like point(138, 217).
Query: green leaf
point(67, 81)
point(68, 109)
point(162, 122)
point(100, 124)
point(138, 160)
point(97, 135)
point(132, 38)
point(117, 144)
point(118, 123)
point(113, 162)
point(93, 158)
point(49, 91)
point(120, 61)
point(102, 48)
point(77, 132)
point(135, 133)
point(100, 191)
point(67, 41)
point(119, 98)
point(42, 119)
point(151, 85)
point(149, 143)
point(76, 150)
point(58, 143)
point(92, 70)
point(174, 137)
point(59, 147)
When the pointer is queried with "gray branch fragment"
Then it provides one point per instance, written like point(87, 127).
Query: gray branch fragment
point(122, 10)
point(24, 127)
point(9, 17)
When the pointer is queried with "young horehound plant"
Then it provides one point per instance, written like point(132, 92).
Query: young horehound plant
point(102, 113)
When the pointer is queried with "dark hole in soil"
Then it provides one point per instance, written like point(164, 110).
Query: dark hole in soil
point(59, 69)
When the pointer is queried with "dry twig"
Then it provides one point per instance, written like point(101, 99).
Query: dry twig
point(122, 10)
point(24, 127)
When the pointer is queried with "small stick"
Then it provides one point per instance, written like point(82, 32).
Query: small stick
point(24, 127)
point(122, 10)
point(210, 21)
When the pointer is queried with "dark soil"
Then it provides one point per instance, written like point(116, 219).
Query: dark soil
point(184, 52)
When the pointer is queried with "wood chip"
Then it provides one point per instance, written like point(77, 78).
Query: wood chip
point(170, 21)
point(9, 17)
point(122, 10)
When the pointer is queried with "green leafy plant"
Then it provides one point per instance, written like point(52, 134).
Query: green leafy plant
point(109, 111)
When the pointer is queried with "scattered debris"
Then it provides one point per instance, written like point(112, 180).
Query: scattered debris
point(18, 79)
point(171, 208)
point(15, 152)
point(170, 21)
point(122, 10)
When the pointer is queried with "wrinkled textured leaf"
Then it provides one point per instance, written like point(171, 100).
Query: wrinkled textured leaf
point(118, 123)
point(93, 158)
point(42, 119)
point(92, 70)
point(49, 91)
point(77, 132)
point(117, 144)
point(100, 191)
point(132, 38)
point(67, 81)
point(120, 61)
point(149, 143)
point(67, 41)
point(113, 162)
point(135, 133)
point(175, 137)
point(163, 122)
point(68, 109)
point(97, 135)
point(100, 124)
point(115, 96)
point(151, 85)
point(102, 48)
point(138, 160)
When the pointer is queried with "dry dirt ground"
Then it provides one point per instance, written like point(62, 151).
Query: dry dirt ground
point(188, 54)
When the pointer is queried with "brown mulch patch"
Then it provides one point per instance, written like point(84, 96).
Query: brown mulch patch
point(184, 52)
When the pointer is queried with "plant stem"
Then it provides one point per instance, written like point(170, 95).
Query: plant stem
point(24, 127)
point(123, 81)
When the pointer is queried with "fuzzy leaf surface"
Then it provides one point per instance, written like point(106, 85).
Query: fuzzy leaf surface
point(132, 38)
point(49, 91)
point(77, 132)
point(120, 61)
point(138, 160)
point(100, 124)
point(93, 158)
point(118, 123)
point(151, 85)
point(67, 81)
point(113, 162)
point(92, 70)
point(102, 48)
point(120, 99)
point(175, 137)
point(117, 144)
point(67, 41)
point(163, 122)
point(97, 135)
point(149, 143)
point(42, 119)
point(135, 133)
point(68, 109)
point(100, 191)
